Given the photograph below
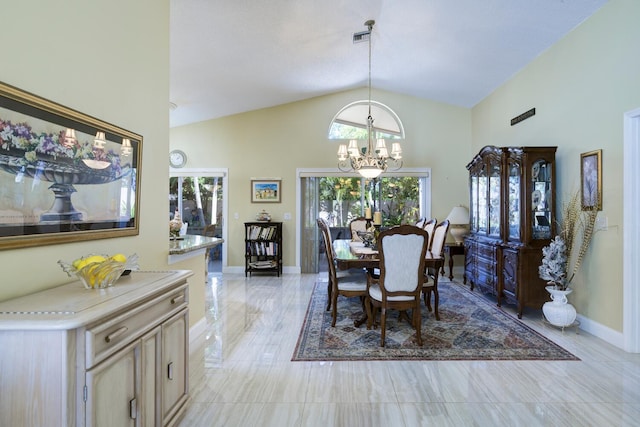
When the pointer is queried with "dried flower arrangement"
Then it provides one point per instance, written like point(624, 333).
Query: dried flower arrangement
point(576, 230)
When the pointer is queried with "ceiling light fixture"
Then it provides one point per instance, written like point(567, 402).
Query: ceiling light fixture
point(367, 161)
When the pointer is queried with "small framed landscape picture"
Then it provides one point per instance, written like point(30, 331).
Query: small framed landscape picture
point(591, 180)
point(265, 191)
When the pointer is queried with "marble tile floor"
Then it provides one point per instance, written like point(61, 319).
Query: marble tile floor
point(242, 374)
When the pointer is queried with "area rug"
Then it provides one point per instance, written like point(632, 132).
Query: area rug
point(470, 328)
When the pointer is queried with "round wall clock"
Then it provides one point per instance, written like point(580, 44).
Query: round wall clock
point(177, 158)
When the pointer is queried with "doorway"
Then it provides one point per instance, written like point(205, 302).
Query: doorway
point(402, 198)
point(200, 196)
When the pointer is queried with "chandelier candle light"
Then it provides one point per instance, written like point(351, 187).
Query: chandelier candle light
point(369, 162)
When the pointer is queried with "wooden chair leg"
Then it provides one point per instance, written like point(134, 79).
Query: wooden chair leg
point(334, 308)
point(427, 297)
point(436, 298)
point(383, 325)
point(368, 305)
point(417, 323)
point(329, 288)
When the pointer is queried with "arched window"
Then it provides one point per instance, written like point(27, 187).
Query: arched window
point(351, 122)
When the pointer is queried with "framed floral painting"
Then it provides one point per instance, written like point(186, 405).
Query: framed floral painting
point(591, 180)
point(64, 176)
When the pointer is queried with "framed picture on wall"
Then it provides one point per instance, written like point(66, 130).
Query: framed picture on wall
point(65, 176)
point(591, 180)
point(265, 191)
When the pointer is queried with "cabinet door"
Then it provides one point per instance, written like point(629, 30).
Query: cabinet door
point(112, 387)
point(541, 199)
point(150, 358)
point(483, 198)
point(514, 202)
point(495, 190)
point(174, 364)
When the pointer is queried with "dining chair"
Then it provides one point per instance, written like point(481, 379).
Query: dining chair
point(429, 226)
point(402, 253)
point(349, 283)
point(436, 251)
point(420, 223)
point(357, 224)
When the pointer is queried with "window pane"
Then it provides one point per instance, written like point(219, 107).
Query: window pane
point(399, 200)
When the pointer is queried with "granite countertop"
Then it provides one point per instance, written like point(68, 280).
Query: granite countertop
point(190, 243)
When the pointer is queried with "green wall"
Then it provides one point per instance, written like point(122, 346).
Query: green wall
point(274, 142)
point(108, 59)
point(580, 87)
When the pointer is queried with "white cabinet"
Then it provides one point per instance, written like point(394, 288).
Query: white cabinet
point(104, 357)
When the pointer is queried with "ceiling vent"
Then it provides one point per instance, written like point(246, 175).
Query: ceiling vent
point(362, 36)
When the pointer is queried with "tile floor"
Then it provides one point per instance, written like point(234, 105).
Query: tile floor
point(241, 374)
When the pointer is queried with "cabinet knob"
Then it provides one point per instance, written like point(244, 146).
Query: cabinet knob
point(116, 334)
point(177, 299)
point(170, 371)
point(133, 409)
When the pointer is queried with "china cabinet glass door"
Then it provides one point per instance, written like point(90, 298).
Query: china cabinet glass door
point(482, 199)
point(514, 200)
point(494, 197)
point(541, 197)
point(473, 211)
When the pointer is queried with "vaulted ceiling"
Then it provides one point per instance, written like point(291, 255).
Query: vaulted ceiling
point(229, 57)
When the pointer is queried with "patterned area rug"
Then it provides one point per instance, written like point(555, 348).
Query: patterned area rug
point(470, 328)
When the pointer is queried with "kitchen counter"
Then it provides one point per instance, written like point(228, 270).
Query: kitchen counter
point(190, 245)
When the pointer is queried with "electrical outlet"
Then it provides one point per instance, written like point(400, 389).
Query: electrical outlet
point(287, 216)
point(602, 223)
point(236, 215)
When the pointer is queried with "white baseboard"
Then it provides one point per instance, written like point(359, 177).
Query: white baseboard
point(605, 333)
point(197, 333)
point(240, 270)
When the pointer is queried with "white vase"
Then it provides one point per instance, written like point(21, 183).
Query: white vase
point(558, 311)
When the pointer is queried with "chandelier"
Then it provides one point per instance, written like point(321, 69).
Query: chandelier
point(368, 161)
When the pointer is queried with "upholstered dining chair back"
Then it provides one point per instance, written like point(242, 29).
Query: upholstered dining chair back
point(439, 237)
point(358, 224)
point(436, 251)
point(352, 283)
point(420, 223)
point(323, 225)
point(429, 226)
point(402, 252)
point(400, 261)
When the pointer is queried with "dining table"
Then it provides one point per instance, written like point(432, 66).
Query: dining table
point(352, 254)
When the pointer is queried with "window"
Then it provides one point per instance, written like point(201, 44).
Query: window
point(344, 198)
point(351, 122)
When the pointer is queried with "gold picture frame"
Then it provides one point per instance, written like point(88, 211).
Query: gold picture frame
point(591, 180)
point(265, 190)
point(65, 176)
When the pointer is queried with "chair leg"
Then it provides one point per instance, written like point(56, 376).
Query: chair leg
point(426, 293)
point(368, 305)
point(436, 299)
point(417, 323)
point(383, 325)
point(334, 308)
point(329, 287)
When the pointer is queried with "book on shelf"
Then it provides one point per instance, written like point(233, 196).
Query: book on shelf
point(263, 264)
point(259, 232)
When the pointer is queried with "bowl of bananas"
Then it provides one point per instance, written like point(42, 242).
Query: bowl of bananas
point(97, 271)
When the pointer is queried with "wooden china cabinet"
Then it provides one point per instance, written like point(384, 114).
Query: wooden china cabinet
point(511, 215)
